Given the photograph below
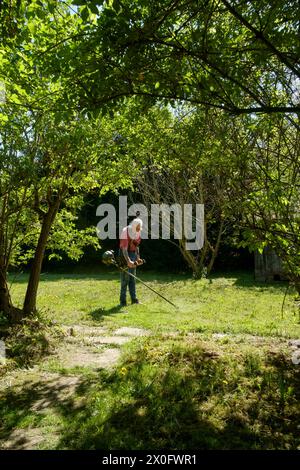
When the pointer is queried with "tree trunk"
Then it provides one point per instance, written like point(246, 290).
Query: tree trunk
point(216, 248)
point(13, 314)
point(29, 306)
point(5, 300)
point(192, 262)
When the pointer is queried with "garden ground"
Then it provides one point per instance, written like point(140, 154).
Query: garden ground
point(215, 374)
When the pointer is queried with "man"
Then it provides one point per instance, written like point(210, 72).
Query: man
point(129, 248)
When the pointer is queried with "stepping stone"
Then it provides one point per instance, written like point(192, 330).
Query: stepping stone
point(106, 339)
point(219, 335)
point(128, 331)
point(54, 385)
point(296, 358)
point(295, 343)
point(74, 330)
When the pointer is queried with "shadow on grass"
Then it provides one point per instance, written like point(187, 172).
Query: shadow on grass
point(241, 279)
point(108, 275)
point(186, 403)
point(55, 277)
point(100, 313)
point(25, 408)
point(189, 399)
point(245, 279)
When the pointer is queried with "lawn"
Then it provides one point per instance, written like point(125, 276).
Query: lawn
point(225, 303)
point(216, 373)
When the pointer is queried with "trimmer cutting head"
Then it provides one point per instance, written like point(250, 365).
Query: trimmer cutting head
point(108, 257)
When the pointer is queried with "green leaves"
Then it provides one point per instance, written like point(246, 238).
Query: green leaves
point(84, 13)
point(196, 53)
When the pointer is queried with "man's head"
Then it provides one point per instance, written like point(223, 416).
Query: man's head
point(135, 227)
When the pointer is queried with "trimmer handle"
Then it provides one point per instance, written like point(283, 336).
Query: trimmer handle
point(141, 261)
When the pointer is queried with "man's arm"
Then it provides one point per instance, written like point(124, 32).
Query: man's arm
point(138, 258)
point(125, 254)
point(130, 264)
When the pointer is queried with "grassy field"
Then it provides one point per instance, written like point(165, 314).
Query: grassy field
point(225, 303)
point(214, 374)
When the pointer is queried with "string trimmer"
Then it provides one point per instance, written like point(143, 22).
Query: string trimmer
point(109, 258)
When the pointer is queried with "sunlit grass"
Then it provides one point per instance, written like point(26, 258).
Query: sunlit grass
point(225, 303)
point(182, 387)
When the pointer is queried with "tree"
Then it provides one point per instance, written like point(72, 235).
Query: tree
point(235, 56)
point(50, 153)
point(13, 198)
point(238, 56)
point(50, 165)
point(269, 208)
point(180, 161)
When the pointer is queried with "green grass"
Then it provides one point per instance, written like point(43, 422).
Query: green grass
point(232, 303)
point(170, 392)
point(183, 393)
point(180, 388)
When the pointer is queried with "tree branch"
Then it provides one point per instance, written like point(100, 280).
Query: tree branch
point(260, 36)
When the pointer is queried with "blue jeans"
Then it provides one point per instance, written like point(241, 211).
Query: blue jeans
point(128, 281)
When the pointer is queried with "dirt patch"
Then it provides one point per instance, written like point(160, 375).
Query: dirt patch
point(82, 346)
point(23, 439)
point(82, 341)
point(82, 357)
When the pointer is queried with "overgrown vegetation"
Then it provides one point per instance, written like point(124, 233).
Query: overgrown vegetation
point(184, 393)
point(27, 342)
point(171, 392)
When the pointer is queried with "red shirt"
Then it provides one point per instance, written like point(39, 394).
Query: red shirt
point(128, 243)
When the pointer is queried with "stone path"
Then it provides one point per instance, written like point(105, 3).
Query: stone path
point(94, 347)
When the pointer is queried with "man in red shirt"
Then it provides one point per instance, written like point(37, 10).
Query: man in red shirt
point(129, 247)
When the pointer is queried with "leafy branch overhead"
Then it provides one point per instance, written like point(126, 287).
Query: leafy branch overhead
point(76, 74)
point(242, 57)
